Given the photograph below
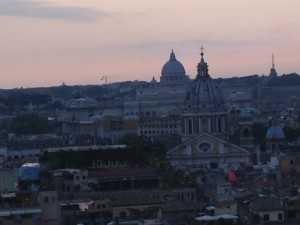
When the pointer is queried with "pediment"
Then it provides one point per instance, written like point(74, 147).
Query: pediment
point(206, 145)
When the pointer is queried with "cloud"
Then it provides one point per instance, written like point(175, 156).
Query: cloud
point(23, 8)
point(207, 43)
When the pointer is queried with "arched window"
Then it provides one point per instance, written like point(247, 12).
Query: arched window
point(246, 132)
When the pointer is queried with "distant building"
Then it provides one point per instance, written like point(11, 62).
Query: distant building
point(165, 97)
point(159, 127)
point(267, 210)
point(290, 170)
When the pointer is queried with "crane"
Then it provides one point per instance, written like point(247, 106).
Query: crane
point(105, 78)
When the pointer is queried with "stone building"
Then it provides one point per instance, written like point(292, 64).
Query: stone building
point(204, 144)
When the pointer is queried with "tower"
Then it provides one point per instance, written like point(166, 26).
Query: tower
point(246, 129)
point(273, 72)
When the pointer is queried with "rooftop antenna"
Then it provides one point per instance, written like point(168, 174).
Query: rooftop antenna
point(273, 72)
point(273, 65)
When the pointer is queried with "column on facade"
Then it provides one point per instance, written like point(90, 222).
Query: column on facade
point(199, 124)
point(223, 124)
point(209, 125)
point(185, 125)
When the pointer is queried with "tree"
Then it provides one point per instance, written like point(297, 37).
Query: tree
point(259, 134)
point(29, 124)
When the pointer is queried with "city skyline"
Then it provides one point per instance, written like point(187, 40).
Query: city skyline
point(46, 43)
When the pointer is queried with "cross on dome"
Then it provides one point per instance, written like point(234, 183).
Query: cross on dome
point(201, 48)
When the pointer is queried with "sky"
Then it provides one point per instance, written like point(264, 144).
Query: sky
point(47, 42)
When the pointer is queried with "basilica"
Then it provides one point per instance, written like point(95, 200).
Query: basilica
point(167, 96)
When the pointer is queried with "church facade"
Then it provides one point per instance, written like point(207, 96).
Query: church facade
point(204, 118)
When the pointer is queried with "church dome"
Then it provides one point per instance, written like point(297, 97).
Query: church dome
point(172, 67)
point(203, 90)
point(275, 132)
point(153, 81)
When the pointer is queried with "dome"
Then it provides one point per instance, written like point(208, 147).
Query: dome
point(203, 89)
point(172, 67)
point(153, 81)
point(275, 132)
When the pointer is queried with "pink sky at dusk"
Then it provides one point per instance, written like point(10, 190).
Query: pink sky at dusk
point(48, 42)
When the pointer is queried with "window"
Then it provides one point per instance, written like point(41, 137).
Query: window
point(52, 199)
point(266, 217)
point(46, 199)
point(114, 163)
point(280, 217)
point(99, 163)
point(106, 164)
point(291, 162)
point(246, 132)
point(204, 147)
